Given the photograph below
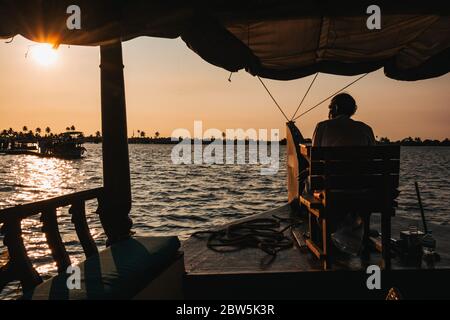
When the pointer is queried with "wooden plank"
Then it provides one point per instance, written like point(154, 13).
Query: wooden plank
point(349, 153)
point(358, 200)
point(315, 212)
point(201, 261)
point(360, 205)
point(310, 201)
point(314, 249)
point(354, 182)
point(364, 194)
point(355, 167)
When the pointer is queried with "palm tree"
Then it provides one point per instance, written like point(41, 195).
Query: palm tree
point(156, 135)
point(67, 128)
point(385, 140)
point(4, 132)
point(38, 131)
point(48, 130)
point(10, 131)
point(25, 129)
point(98, 134)
point(72, 128)
point(142, 134)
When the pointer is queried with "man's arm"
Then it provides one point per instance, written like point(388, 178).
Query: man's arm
point(371, 136)
point(317, 136)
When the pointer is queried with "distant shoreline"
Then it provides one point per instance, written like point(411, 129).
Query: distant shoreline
point(29, 136)
point(168, 141)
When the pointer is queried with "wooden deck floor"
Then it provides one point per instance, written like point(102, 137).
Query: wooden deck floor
point(229, 275)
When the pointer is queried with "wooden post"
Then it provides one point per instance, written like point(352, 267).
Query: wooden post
point(116, 203)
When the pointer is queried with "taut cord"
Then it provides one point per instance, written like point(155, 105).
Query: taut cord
point(304, 97)
point(270, 94)
point(318, 104)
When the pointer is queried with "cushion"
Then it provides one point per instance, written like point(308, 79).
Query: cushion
point(118, 272)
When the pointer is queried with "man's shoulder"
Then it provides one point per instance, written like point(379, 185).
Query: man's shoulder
point(363, 125)
point(323, 123)
point(334, 122)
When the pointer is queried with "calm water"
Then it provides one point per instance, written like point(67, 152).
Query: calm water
point(180, 199)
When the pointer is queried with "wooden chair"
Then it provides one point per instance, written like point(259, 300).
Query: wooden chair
point(360, 180)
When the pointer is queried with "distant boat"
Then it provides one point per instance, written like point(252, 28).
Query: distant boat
point(68, 145)
point(20, 146)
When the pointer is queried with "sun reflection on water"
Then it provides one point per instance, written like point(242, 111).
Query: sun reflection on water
point(37, 175)
point(30, 179)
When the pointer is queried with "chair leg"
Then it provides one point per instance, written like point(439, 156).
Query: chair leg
point(311, 227)
point(386, 239)
point(326, 244)
point(365, 254)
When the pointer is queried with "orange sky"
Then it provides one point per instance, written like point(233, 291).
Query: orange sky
point(169, 87)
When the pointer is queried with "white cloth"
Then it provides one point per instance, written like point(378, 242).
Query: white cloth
point(342, 131)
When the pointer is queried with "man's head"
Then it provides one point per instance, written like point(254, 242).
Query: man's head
point(342, 104)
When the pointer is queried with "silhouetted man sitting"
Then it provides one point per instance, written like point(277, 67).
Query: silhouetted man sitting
point(341, 130)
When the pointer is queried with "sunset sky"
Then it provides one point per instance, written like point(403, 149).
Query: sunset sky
point(169, 87)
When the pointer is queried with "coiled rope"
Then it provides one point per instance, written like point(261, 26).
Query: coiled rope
point(262, 233)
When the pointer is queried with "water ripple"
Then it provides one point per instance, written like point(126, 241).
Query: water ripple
point(180, 199)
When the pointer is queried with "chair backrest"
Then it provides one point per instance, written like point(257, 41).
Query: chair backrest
point(368, 174)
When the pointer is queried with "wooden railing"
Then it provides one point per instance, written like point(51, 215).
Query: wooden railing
point(19, 266)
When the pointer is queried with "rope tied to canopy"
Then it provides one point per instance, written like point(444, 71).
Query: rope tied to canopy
point(331, 96)
point(273, 99)
point(305, 95)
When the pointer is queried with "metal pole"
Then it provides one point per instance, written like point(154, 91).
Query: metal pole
point(425, 228)
point(116, 202)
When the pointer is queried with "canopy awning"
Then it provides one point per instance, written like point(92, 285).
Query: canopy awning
point(278, 39)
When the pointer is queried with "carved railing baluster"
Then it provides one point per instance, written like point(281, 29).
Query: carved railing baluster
point(78, 212)
point(50, 228)
point(19, 266)
point(6, 275)
point(19, 262)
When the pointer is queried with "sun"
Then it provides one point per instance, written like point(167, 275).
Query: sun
point(44, 54)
